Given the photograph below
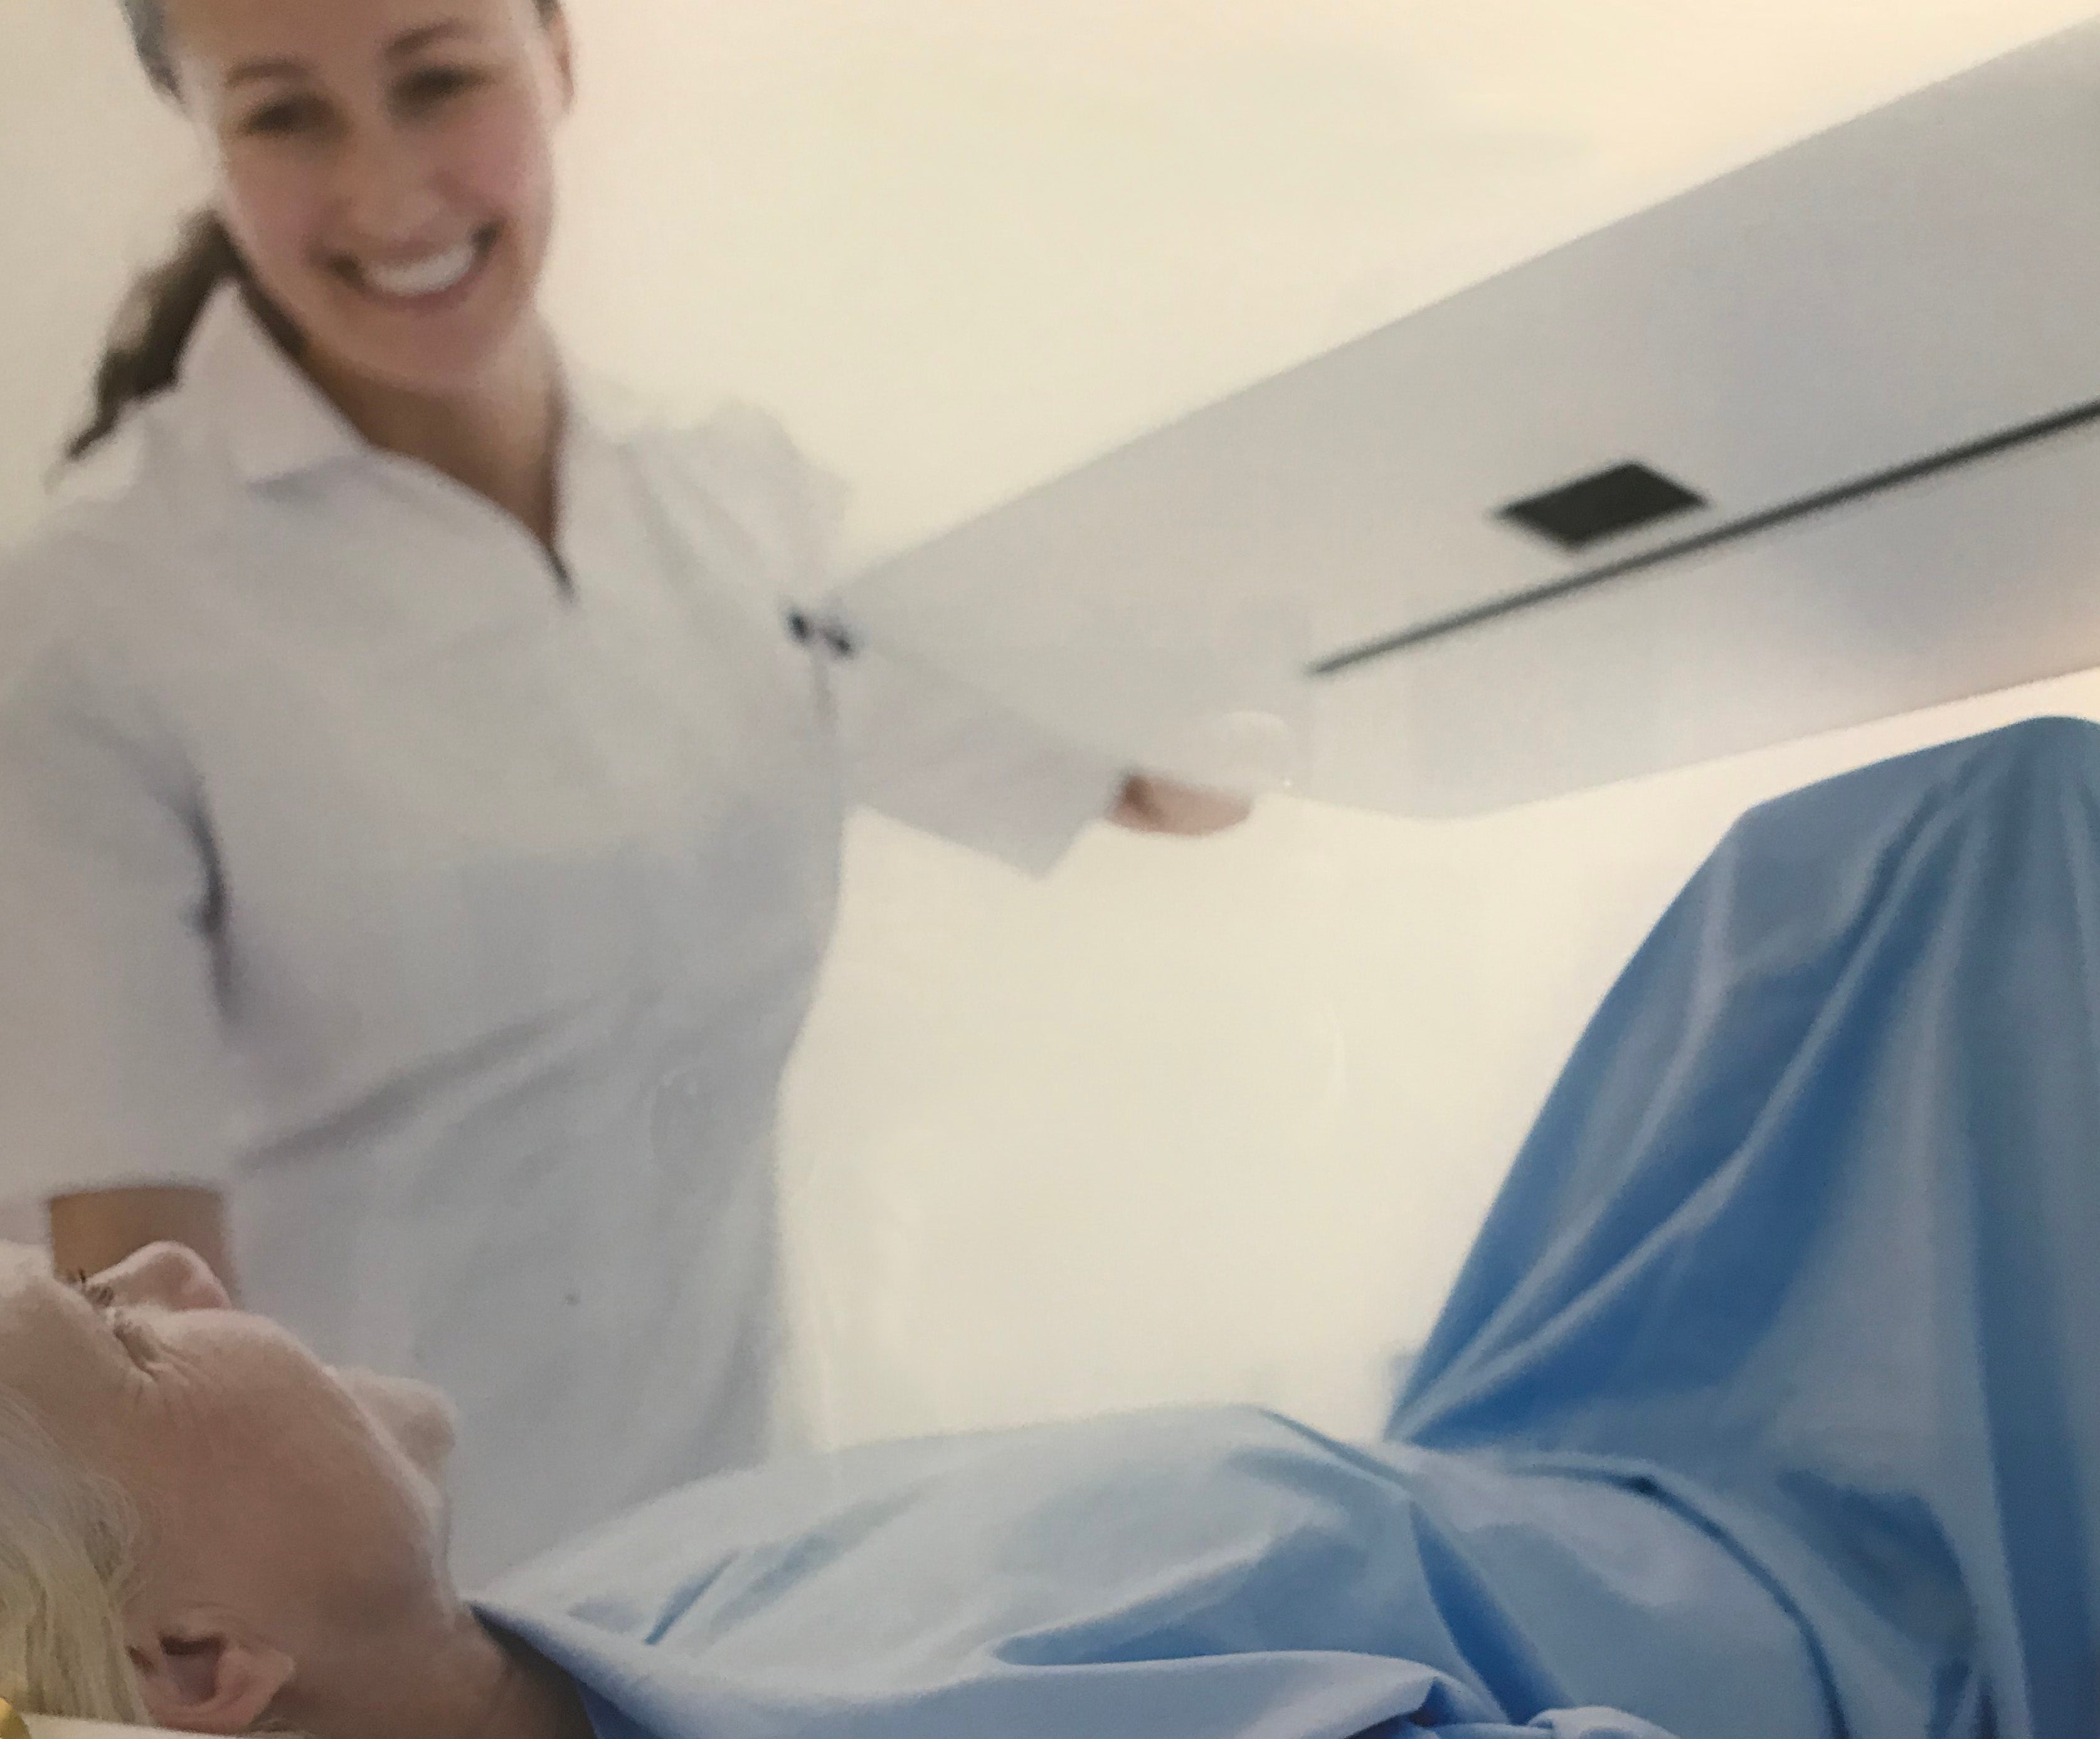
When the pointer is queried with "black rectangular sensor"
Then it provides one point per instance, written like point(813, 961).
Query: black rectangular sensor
point(1592, 509)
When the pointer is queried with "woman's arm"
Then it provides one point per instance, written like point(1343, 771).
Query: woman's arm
point(924, 747)
point(97, 1230)
point(113, 1070)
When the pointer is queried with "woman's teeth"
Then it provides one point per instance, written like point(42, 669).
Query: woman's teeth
point(430, 277)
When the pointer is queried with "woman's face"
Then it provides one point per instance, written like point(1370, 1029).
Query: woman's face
point(386, 168)
point(263, 1473)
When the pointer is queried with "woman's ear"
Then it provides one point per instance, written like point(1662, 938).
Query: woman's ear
point(207, 1676)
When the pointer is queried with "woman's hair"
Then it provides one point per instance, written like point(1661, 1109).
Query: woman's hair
point(153, 327)
point(67, 1554)
point(154, 324)
point(149, 34)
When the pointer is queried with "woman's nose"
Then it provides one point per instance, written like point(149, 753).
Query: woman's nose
point(383, 187)
point(169, 1276)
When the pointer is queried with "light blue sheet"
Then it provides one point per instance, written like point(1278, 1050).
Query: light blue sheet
point(1810, 1231)
point(1169, 1576)
point(1764, 1408)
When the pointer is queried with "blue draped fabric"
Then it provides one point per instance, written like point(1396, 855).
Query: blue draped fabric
point(1762, 1409)
point(1810, 1231)
point(1173, 1575)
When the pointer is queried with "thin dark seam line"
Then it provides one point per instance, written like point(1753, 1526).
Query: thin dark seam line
point(565, 579)
point(1843, 495)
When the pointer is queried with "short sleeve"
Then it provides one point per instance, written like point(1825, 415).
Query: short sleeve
point(918, 743)
point(112, 1070)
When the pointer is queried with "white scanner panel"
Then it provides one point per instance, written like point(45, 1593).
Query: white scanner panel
point(1886, 295)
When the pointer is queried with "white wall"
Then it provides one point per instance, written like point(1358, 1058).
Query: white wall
point(1215, 1122)
point(1184, 1122)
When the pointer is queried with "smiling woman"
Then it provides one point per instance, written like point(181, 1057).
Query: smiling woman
point(490, 93)
point(423, 817)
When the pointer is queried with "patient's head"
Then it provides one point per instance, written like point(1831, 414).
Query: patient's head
point(204, 1526)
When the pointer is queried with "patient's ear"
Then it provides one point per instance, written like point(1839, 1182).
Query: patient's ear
point(208, 1676)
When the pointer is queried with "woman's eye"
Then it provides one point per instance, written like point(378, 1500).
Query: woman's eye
point(99, 1293)
point(283, 117)
point(434, 84)
point(130, 1334)
point(133, 1337)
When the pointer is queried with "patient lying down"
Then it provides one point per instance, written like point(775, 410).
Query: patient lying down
point(1760, 1409)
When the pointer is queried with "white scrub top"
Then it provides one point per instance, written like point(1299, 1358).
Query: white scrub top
point(455, 909)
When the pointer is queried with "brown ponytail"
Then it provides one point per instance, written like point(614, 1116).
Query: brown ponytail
point(154, 326)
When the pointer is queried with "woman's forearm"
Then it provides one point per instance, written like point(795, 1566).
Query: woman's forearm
point(97, 1230)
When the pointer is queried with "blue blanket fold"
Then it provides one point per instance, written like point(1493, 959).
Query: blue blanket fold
point(1810, 1229)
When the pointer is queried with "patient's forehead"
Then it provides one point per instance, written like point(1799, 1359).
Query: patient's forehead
point(23, 1270)
point(48, 1335)
point(26, 1285)
point(25, 1280)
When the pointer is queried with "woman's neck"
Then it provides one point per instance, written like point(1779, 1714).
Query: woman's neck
point(500, 438)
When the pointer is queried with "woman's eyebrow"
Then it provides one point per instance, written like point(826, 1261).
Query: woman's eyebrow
point(409, 42)
point(255, 72)
point(94, 1294)
point(413, 41)
point(116, 1321)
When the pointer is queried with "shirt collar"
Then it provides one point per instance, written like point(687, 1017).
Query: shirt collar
point(272, 421)
point(275, 423)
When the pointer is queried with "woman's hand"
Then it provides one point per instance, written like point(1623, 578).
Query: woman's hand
point(1158, 806)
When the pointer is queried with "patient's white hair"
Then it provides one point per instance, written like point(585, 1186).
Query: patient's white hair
point(68, 1550)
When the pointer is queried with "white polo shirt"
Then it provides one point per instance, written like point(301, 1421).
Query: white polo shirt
point(456, 917)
